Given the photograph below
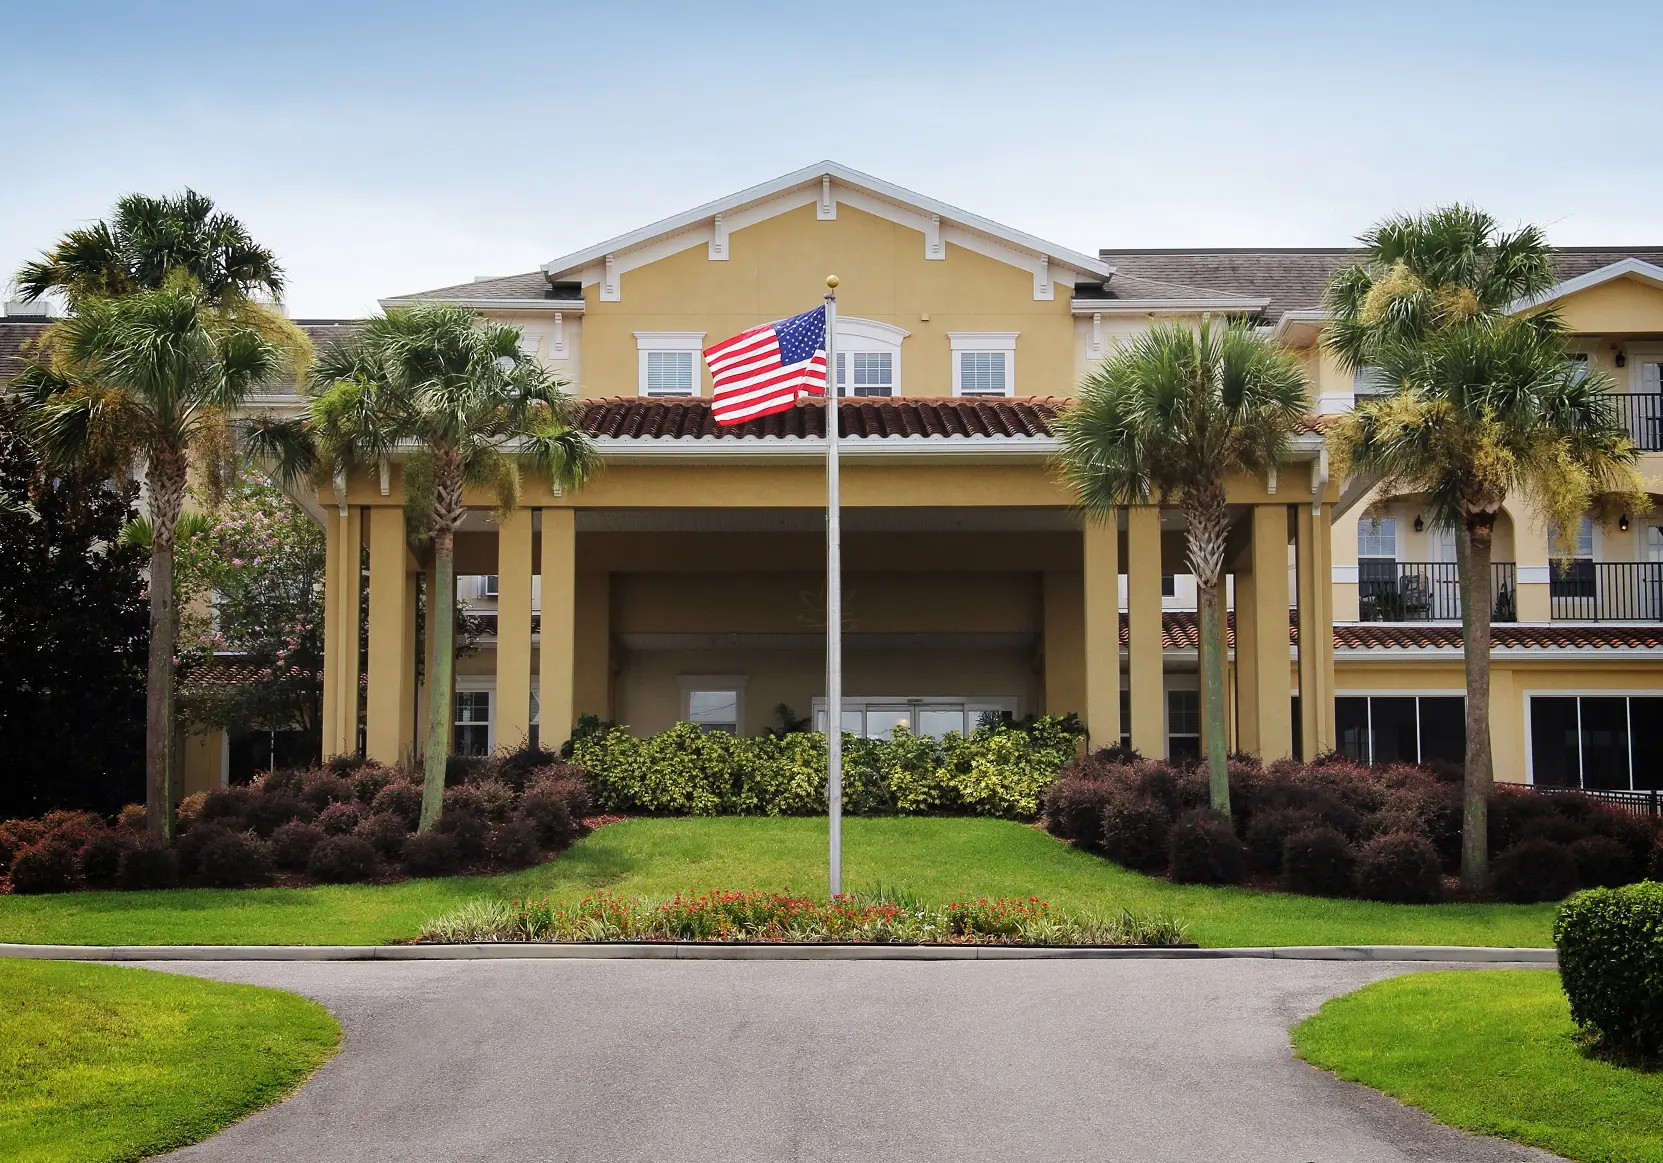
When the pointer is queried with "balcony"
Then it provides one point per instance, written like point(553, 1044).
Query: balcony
point(1427, 591)
point(1642, 414)
point(1606, 591)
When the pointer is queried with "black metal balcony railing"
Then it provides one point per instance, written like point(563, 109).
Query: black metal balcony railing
point(1606, 591)
point(1643, 416)
point(1427, 591)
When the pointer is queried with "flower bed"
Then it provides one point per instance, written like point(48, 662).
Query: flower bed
point(1338, 828)
point(345, 823)
point(779, 917)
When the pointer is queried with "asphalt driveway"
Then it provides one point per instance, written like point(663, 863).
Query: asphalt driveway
point(1141, 1061)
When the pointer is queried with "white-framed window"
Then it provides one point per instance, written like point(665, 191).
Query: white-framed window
point(715, 702)
point(1598, 740)
point(1370, 381)
point(984, 362)
point(488, 586)
point(868, 357)
point(1377, 537)
point(877, 717)
point(1183, 723)
point(474, 726)
point(669, 363)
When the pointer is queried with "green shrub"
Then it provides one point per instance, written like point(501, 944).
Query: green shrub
point(1204, 850)
point(46, 866)
point(1318, 861)
point(997, 770)
point(1137, 833)
point(1400, 867)
point(1534, 870)
point(1610, 943)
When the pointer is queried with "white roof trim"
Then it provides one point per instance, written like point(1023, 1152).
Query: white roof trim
point(1088, 307)
point(1454, 654)
point(568, 306)
point(1626, 268)
point(812, 176)
point(1311, 315)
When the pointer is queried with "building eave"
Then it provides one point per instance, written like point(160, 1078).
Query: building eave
point(1626, 268)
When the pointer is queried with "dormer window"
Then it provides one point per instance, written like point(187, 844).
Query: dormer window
point(984, 363)
point(868, 358)
point(669, 363)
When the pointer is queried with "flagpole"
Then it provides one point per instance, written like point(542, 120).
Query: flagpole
point(834, 604)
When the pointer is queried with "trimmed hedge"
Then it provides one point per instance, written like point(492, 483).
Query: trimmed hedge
point(997, 770)
point(1610, 943)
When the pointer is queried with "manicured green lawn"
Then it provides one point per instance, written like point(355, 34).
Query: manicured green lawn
point(99, 1063)
point(656, 857)
point(1491, 1052)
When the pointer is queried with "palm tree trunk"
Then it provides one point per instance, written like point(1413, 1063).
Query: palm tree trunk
point(166, 483)
point(1208, 522)
point(448, 514)
point(1473, 546)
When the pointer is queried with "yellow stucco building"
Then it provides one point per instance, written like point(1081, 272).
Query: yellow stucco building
point(687, 581)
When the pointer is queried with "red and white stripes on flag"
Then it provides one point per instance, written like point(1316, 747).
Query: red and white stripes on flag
point(763, 370)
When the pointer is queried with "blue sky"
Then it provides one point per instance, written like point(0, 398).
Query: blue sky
point(383, 148)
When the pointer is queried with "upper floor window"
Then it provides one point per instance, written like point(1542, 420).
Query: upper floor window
point(984, 363)
point(669, 362)
point(1377, 538)
point(874, 373)
point(868, 358)
point(1370, 381)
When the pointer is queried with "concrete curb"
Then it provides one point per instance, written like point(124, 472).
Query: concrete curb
point(730, 952)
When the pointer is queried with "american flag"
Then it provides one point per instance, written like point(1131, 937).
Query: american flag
point(761, 371)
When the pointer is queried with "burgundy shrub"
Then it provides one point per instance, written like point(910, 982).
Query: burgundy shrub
point(1401, 867)
point(340, 819)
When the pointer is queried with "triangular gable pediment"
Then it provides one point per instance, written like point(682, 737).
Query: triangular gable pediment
point(1629, 268)
point(825, 186)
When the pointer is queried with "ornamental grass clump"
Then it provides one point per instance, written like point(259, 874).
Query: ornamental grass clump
point(881, 917)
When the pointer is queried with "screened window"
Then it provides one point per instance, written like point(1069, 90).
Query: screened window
point(670, 373)
point(473, 723)
point(1401, 728)
point(1575, 578)
point(1183, 724)
point(1126, 718)
point(878, 718)
point(1603, 742)
point(1377, 538)
point(873, 373)
point(714, 710)
point(1370, 381)
point(983, 373)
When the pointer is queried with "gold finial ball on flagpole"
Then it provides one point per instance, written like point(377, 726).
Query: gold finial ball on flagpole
point(831, 281)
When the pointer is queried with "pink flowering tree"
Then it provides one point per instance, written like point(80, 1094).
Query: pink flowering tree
point(251, 635)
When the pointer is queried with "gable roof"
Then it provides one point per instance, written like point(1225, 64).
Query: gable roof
point(1293, 278)
point(1630, 267)
point(697, 227)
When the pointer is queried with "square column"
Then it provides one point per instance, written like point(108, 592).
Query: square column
point(591, 648)
point(1247, 663)
point(342, 596)
point(1101, 595)
point(1273, 670)
point(1146, 667)
point(557, 651)
point(390, 669)
point(513, 709)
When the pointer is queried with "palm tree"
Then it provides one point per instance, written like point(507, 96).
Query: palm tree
point(146, 241)
point(1170, 415)
point(462, 406)
point(1486, 407)
point(1487, 404)
point(149, 382)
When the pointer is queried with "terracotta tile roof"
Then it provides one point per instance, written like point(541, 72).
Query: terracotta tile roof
point(635, 416)
point(1443, 636)
point(939, 416)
